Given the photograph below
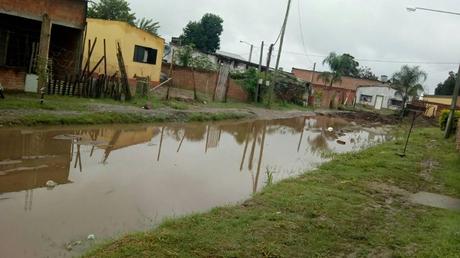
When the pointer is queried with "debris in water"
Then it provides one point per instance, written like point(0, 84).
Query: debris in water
point(71, 245)
point(91, 237)
point(341, 142)
point(330, 129)
point(51, 184)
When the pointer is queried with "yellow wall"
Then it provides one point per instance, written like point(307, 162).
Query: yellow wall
point(441, 100)
point(128, 36)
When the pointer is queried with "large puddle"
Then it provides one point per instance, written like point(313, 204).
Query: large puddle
point(118, 179)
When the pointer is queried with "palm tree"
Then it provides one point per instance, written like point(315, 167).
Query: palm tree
point(330, 77)
point(407, 82)
point(340, 65)
point(148, 25)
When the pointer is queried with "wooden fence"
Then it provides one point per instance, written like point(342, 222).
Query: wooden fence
point(87, 87)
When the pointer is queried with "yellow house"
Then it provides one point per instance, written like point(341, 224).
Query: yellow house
point(435, 104)
point(443, 100)
point(142, 51)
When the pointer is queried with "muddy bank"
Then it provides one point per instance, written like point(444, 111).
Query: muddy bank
point(101, 113)
point(364, 118)
point(109, 114)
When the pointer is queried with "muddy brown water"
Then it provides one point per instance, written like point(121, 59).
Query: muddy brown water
point(117, 179)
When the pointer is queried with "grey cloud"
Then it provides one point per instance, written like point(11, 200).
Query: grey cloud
point(372, 29)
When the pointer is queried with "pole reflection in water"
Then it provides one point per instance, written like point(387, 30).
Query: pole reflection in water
point(108, 184)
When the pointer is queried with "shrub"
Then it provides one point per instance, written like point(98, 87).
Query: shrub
point(445, 116)
point(248, 80)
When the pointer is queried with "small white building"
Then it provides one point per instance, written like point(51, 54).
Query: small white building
point(379, 97)
point(236, 62)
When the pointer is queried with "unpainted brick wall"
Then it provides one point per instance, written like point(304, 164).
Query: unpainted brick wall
point(205, 82)
point(12, 78)
point(69, 12)
point(327, 93)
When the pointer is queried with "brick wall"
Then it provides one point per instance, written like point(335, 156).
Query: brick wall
point(205, 82)
point(327, 95)
point(12, 79)
point(66, 12)
point(346, 82)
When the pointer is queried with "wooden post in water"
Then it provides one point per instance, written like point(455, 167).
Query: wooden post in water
point(301, 135)
point(161, 143)
point(207, 139)
point(261, 155)
point(251, 157)
point(246, 146)
point(181, 141)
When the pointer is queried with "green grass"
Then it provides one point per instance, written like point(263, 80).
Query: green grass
point(59, 103)
point(333, 211)
point(85, 111)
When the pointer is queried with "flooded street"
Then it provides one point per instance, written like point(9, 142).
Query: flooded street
point(112, 180)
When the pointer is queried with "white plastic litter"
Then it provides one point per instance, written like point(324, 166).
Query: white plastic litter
point(51, 184)
point(330, 129)
point(91, 237)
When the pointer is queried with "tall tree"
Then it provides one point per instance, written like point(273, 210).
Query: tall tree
point(407, 82)
point(148, 25)
point(117, 10)
point(448, 86)
point(366, 73)
point(340, 65)
point(204, 34)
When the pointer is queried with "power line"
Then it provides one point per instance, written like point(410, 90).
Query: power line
point(301, 30)
point(371, 60)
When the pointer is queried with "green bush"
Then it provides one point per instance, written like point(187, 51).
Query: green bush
point(445, 116)
point(249, 80)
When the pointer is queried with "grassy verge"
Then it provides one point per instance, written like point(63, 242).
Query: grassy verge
point(28, 101)
point(353, 205)
point(26, 110)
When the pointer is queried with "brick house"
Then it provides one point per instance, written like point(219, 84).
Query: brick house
point(47, 30)
point(342, 92)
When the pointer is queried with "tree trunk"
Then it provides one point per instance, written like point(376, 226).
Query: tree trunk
point(403, 110)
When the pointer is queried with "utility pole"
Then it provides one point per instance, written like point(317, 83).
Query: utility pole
point(261, 56)
point(283, 30)
point(260, 71)
point(269, 59)
point(451, 119)
point(250, 53)
point(313, 73)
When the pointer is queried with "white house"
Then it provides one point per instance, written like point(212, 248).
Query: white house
point(379, 97)
point(236, 62)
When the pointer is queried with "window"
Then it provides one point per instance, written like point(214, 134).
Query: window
point(145, 55)
point(395, 102)
point(365, 98)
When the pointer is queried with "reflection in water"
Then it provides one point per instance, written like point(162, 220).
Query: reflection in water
point(108, 184)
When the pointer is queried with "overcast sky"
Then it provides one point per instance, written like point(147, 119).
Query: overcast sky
point(367, 29)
